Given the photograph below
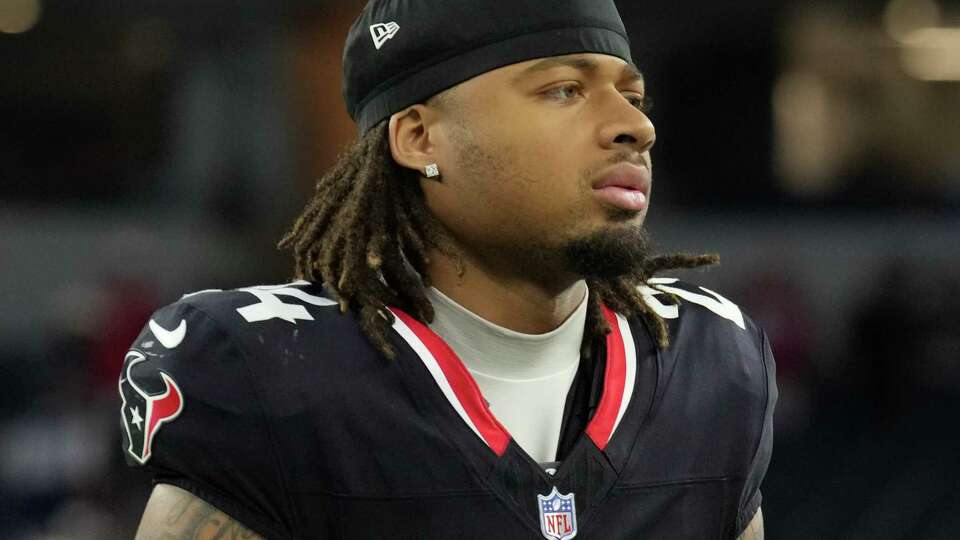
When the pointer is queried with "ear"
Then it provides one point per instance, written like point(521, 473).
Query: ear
point(410, 138)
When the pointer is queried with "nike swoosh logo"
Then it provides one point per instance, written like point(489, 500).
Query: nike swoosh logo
point(169, 338)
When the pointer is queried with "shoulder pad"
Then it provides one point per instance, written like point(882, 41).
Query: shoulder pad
point(196, 345)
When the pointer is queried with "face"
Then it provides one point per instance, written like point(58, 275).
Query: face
point(546, 165)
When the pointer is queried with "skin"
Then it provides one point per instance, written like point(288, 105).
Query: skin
point(175, 514)
point(518, 150)
point(754, 530)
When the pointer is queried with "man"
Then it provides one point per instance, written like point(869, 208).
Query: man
point(477, 346)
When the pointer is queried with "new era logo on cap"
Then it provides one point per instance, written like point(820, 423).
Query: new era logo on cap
point(382, 32)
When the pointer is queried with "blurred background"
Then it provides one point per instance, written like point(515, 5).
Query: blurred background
point(152, 148)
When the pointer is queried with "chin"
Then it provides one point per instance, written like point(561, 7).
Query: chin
point(610, 251)
point(626, 217)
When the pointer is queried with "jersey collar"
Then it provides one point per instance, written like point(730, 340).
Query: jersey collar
point(461, 390)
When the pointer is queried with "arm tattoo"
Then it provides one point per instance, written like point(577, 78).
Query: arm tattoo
point(184, 516)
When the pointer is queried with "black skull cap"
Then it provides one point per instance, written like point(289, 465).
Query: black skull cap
point(402, 52)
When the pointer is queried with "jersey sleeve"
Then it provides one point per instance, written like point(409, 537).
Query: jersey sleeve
point(751, 497)
point(191, 416)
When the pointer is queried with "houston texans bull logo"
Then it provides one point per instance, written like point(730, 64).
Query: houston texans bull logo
point(144, 413)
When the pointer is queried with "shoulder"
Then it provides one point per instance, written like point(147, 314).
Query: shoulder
point(264, 337)
point(254, 319)
point(692, 309)
point(290, 303)
point(713, 339)
point(216, 357)
point(719, 372)
point(193, 392)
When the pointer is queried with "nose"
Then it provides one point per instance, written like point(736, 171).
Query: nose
point(628, 128)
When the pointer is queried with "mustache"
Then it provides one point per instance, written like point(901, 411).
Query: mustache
point(634, 158)
point(624, 156)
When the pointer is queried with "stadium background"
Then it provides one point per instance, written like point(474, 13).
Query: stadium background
point(152, 148)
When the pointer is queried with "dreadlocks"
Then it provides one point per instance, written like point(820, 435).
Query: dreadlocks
point(367, 231)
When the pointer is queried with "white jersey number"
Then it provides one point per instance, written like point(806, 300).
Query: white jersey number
point(271, 307)
point(715, 303)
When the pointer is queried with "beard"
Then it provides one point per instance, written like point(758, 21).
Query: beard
point(609, 253)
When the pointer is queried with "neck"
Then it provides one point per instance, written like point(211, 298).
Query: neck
point(515, 301)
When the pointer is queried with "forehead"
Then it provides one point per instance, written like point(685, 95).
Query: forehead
point(530, 74)
point(590, 63)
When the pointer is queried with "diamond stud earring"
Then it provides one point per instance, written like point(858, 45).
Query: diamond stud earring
point(432, 170)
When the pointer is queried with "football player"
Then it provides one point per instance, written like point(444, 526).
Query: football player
point(478, 344)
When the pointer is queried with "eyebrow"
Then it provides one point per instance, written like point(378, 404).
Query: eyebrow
point(630, 71)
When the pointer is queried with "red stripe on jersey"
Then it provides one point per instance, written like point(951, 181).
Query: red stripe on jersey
point(601, 425)
point(462, 383)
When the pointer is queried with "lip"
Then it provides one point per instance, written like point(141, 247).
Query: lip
point(625, 186)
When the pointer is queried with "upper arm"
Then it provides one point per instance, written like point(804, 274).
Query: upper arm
point(176, 514)
point(754, 530)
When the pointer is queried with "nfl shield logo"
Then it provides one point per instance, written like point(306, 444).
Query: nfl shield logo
point(558, 515)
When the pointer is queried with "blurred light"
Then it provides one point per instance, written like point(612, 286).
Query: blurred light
point(901, 17)
point(808, 152)
point(18, 16)
point(932, 54)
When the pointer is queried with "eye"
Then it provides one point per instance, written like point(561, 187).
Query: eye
point(643, 103)
point(564, 93)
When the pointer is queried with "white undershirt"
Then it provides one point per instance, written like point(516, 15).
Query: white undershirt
point(524, 377)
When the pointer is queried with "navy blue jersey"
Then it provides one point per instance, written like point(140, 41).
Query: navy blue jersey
point(271, 405)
